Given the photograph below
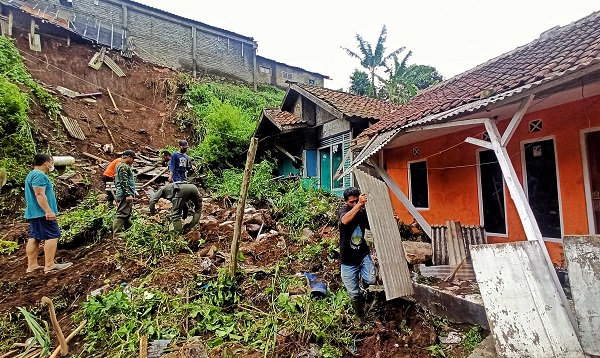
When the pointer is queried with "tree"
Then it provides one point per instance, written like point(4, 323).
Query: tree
point(360, 84)
point(371, 59)
point(405, 81)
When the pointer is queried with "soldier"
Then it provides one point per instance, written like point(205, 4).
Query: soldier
point(179, 194)
point(124, 191)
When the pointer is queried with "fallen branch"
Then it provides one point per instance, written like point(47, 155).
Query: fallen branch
point(8, 354)
point(95, 157)
point(64, 348)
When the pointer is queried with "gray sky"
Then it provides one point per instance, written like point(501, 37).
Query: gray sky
point(452, 36)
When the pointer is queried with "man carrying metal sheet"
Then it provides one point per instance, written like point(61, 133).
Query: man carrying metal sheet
point(356, 262)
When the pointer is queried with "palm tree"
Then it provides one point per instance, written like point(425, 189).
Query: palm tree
point(371, 59)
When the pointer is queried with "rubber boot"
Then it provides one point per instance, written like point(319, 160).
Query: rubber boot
point(195, 220)
point(177, 226)
point(128, 223)
point(118, 225)
point(359, 309)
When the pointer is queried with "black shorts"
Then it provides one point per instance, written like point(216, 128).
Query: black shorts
point(42, 229)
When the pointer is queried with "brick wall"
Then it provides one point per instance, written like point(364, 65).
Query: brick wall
point(277, 70)
point(167, 39)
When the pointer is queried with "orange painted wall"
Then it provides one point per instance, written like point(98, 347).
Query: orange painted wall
point(452, 173)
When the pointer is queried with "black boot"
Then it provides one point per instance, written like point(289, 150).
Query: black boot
point(359, 309)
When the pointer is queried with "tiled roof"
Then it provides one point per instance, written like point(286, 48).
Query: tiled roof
point(556, 51)
point(349, 104)
point(282, 118)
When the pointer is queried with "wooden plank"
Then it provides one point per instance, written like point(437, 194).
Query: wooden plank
point(525, 314)
point(111, 98)
point(479, 142)
point(72, 127)
point(113, 66)
point(516, 119)
point(4, 26)
point(108, 129)
point(396, 277)
point(583, 261)
point(456, 245)
point(97, 60)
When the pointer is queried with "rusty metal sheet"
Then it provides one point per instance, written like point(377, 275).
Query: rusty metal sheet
point(397, 281)
point(583, 260)
point(72, 127)
point(523, 307)
point(472, 235)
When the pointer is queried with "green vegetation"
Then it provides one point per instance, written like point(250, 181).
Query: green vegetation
point(90, 220)
point(17, 145)
point(437, 350)
point(7, 247)
point(12, 330)
point(223, 118)
point(228, 185)
point(41, 334)
point(215, 311)
point(148, 240)
point(472, 338)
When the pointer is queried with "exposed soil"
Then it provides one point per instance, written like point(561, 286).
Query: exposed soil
point(147, 99)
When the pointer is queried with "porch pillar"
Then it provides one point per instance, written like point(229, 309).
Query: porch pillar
point(517, 193)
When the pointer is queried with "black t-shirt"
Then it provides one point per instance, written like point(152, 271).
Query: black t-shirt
point(353, 247)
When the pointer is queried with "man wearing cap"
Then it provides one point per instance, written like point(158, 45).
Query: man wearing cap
point(179, 164)
point(41, 212)
point(124, 191)
point(180, 198)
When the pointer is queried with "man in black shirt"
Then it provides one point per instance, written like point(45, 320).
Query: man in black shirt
point(356, 262)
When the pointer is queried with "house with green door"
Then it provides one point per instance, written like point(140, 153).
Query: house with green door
point(313, 132)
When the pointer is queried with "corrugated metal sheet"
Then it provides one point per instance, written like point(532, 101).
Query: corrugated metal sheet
point(583, 259)
point(388, 243)
point(72, 127)
point(471, 235)
point(523, 307)
point(465, 271)
point(113, 66)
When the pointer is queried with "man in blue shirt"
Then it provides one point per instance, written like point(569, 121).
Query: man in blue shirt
point(41, 212)
point(179, 164)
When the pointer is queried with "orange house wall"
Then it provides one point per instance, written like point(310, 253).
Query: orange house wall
point(452, 173)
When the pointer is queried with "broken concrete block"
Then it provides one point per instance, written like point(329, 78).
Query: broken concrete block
point(417, 252)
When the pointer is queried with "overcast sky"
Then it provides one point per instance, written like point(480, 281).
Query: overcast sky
point(451, 35)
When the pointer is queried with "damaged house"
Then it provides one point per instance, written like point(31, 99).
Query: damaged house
point(313, 130)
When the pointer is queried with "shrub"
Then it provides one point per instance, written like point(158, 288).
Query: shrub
point(89, 220)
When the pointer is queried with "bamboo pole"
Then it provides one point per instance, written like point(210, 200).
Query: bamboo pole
point(112, 99)
point(155, 177)
point(95, 157)
point(239, 215)
point(68, 339)
point(108, 129)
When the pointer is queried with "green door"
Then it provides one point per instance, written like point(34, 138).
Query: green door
point(325, 165)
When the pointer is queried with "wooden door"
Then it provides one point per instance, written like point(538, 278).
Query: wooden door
point(593, 152)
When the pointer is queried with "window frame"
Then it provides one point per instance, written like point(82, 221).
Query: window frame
point(410, 194)
point(522, 145)
point(291, 75)
point(480, 195)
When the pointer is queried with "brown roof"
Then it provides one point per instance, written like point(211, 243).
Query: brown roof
point(555, 51)
point(282, 118)
point(351, 105)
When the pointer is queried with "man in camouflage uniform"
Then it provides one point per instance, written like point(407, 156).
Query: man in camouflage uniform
point(124, 192)
point(181, 195)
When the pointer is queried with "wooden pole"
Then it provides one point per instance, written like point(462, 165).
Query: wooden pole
point(155, 177)
point(108, 129)
point(69, 337)
point(111, 98)
point(95, 157)
point(239, 215)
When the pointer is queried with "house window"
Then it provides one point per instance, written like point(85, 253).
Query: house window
point(541, 177)
point(419, 191)
point(287, 75)
point(263, 69)
point(311, 81)
point(535, 125)
point(491, 190)
point(337, 155)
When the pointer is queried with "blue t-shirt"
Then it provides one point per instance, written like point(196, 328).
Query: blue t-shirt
point(179, 165)
point(37, 179)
